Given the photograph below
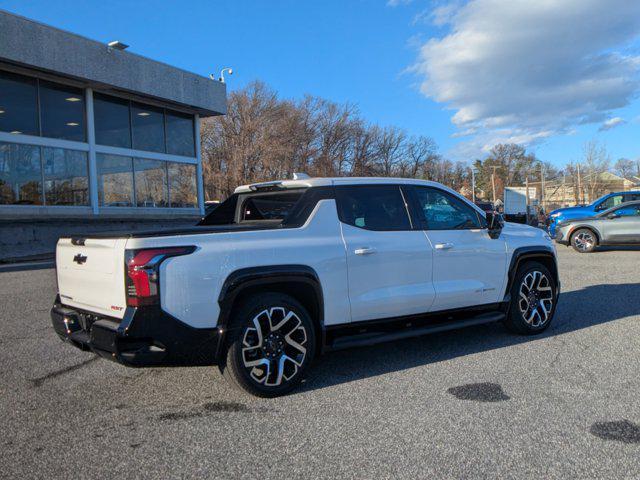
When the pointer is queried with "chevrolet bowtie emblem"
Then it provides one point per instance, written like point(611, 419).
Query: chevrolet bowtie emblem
point(80, 259)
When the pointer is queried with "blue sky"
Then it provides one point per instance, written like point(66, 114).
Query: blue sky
point(495, 70)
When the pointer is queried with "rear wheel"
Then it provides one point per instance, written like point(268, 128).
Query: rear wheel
point(533, 299)
point(272, 344)
point(584, 240)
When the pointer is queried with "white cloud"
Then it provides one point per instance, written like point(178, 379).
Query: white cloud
point(523, 70)
point(612, 123)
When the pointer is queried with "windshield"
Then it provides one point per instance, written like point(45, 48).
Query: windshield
point(274, 206)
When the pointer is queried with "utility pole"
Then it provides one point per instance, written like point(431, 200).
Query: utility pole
point(473, 185)
point(580, 196)
point(526, 194)
point(493, 182)
point(542, 192)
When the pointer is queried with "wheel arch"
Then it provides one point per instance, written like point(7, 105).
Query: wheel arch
point(585, 227)
point(544, 255)
point(298, 281)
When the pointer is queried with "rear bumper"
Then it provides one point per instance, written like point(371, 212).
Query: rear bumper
point(145, 337)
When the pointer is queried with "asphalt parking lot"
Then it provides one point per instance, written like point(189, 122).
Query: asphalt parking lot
point(473, 403)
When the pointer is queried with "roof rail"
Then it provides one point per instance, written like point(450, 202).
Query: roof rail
point(300, 176)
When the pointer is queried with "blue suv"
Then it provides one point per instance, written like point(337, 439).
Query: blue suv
point(601, 204)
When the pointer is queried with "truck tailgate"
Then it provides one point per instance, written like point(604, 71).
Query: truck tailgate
point(91, 274)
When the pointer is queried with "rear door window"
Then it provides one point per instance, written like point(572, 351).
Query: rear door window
point(373, 207)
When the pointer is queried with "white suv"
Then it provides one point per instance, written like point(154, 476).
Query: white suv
point(283, 271)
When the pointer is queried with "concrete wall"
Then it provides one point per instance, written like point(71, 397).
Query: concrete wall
point(21, 239)
point(32, 44)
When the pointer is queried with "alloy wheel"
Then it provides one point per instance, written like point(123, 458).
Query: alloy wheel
point(274, 347)
point(584, 241)
point(535, 298)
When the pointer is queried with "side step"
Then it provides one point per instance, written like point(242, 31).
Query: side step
point(372, 337)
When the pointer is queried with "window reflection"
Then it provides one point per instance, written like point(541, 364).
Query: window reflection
point(182, 185)
point(151, 183)
point(112, 121)
point(65, 177)
point(148, 127)
point(115, 180)
point(18, 104)
point(180, 139)
point(20, 175)
point(62, 111)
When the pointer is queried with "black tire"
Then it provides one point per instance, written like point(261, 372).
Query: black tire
point(279, 351)
point(584, 240)
point(543, 298)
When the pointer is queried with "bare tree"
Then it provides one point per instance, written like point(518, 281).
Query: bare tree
point(625, 167)
point(595, 161)
point(263, 137)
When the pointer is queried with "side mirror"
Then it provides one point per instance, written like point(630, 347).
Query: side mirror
point(495, 222)
point(613, 215)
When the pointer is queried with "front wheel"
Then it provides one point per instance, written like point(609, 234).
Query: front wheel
point(271, 345)
point(534, 296)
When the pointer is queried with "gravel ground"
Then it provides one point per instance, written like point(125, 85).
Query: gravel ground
point(476, 403)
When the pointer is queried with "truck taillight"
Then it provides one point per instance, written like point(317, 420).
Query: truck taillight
point(142, 273)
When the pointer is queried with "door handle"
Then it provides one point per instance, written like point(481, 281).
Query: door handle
point(443, 246)
point(364, 251)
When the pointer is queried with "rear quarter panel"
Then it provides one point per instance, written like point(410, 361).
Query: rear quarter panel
point(190, 285)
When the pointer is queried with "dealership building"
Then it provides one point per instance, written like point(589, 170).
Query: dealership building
point(93, 137)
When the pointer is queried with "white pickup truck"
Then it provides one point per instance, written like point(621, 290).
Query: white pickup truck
point(283, 271)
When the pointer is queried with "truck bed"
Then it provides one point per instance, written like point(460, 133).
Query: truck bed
point(195, 230)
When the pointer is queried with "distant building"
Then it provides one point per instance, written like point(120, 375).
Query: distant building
point(94, 137)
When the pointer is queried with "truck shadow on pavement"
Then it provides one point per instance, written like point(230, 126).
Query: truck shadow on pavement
point(577, 309)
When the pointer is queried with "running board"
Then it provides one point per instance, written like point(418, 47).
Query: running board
point(372, 338)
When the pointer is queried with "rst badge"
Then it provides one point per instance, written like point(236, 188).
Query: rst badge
point(80, 259)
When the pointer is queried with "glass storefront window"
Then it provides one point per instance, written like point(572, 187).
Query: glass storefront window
point(62, 111)
point(180, 139)
point(151, 183)
point(147, 123)
point(115, 180)
point(20, 175)
point(183, 192)
point(52, 176)
point(66, 179)
point(18, 104)
point(112, 122)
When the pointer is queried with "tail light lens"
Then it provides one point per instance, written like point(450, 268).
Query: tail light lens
point(142, 273)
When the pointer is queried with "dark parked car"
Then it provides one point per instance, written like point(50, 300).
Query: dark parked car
point(619, 225)
point(486, 206)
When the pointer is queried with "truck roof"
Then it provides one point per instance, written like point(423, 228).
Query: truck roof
point(326, 181)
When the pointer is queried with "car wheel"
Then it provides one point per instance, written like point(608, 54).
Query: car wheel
point(533, 299)
point(272, 344)
point(584, 240)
